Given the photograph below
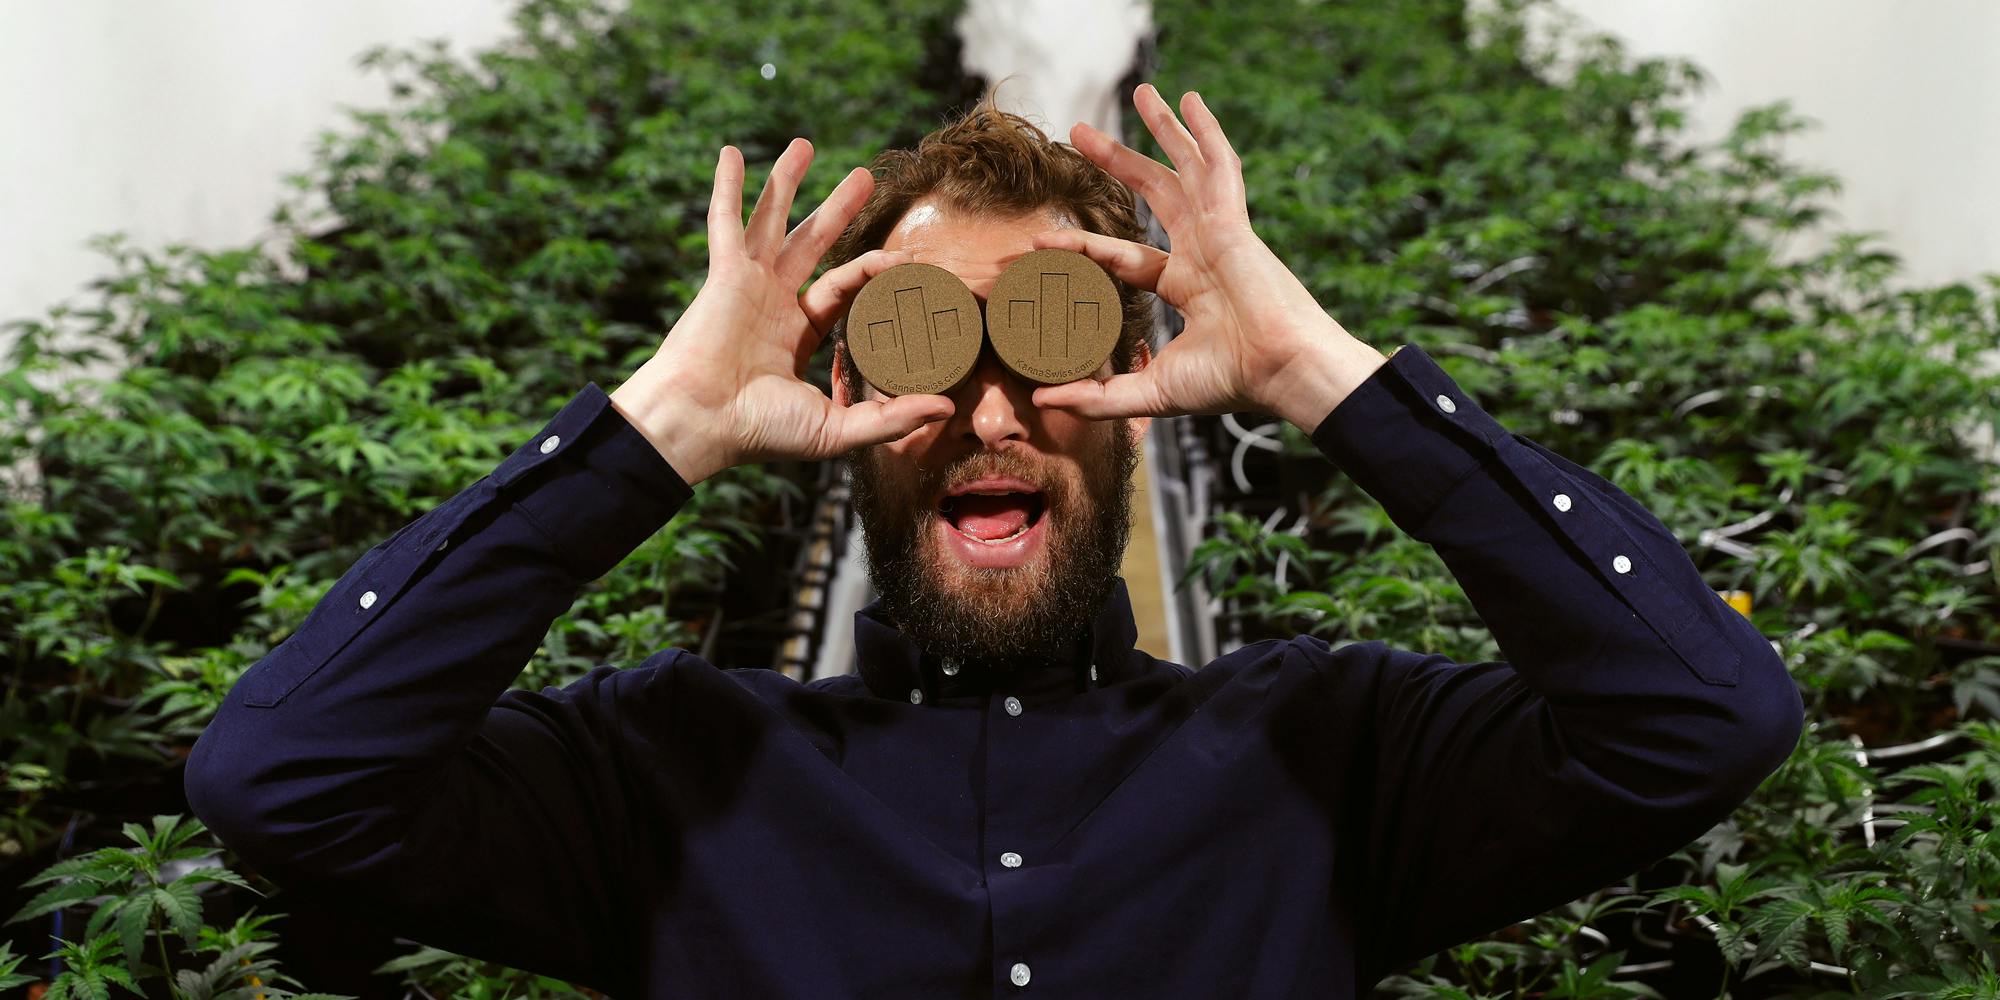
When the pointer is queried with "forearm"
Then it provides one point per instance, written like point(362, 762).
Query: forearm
point(667, 415)
point(316, 755)
point(1633, 709)
point(1654, 682)
point(1320, 377)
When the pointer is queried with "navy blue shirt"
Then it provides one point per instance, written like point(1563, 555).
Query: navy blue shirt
point(1290, 820)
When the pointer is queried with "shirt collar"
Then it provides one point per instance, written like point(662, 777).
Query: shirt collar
point(892, 665)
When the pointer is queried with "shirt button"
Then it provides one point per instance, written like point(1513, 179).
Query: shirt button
point(1018, 975)
point(1445, 404)
point(1621, 564)
point(916, 696)
point(1562, 501)
point(1093, 673)
point(549, 443)
point(367, 600)
point(1013, 705)
point(1010, 859)
point(951, 668)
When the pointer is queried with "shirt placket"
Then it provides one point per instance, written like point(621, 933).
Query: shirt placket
point(1022, 886)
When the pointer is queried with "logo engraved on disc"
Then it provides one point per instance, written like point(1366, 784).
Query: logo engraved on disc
point(1060, 316)
point(914, 329)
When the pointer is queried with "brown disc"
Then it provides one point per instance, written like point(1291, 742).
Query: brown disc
point(914, 328)
point(1053, 316)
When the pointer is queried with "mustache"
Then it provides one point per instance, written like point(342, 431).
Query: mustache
point(1010, 465)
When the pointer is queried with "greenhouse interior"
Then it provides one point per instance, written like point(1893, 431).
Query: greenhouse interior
point(1693, 428)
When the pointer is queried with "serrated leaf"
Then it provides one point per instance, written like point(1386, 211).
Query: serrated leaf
point(121, 977)
point(134, 919)
point(192, 984)
point(216, 875)
point(84, 866)
point(57, 897)
point(181, 905)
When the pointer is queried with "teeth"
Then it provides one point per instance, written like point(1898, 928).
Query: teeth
point(1009, 538)
point(996, 541)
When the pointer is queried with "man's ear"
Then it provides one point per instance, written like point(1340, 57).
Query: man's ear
point(1140, 359)
point(839, 383)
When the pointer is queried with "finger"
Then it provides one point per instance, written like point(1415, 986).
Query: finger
point(1135, 264)
point(1168, 131)
point(1155, 181)
point(810, 241)
point(879, 421)
point(829, 297)
point(1130, 395)
point(773, 213)
point(725, 206)
point(1224, 181)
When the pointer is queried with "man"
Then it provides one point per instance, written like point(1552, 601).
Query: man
point(1007, 799)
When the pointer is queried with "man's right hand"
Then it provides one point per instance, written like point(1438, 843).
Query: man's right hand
point(726, 386)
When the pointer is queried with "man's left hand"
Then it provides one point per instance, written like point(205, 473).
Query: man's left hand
point(1254, 339)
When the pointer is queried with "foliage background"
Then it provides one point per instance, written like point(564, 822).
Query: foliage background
point(520, 222)
point(1621, 295)
point(529, 219)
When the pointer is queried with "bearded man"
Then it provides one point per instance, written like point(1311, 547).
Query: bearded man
point(1007, 798)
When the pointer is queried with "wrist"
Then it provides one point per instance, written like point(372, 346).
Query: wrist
point(1320, 378)
point(666, 416)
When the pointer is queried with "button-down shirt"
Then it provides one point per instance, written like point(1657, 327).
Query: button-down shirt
point(1292, 819)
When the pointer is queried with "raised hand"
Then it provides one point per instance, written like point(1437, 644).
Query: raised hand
point(727, 384)
point(1254, 339)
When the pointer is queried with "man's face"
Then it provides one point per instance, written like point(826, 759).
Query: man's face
point(995, 533)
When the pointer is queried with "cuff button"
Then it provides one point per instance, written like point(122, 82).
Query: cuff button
point(1562, 501)
point(549, 443)
point(1445, 404)
point(1621, 564)
point(367, 600)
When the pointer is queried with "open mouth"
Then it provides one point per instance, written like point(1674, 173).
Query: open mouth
point(992, 514)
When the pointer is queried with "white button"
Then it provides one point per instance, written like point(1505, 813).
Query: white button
point(1093, 672)
point(1013, 705)
point(1562, 501)
point(1445, 404)
point(549, 443)
point(442, 544)
point(916, 696)
point(367, 600)
point(1621, 564)
point(1019, 974)
point(1010, 859)
point(951, 668)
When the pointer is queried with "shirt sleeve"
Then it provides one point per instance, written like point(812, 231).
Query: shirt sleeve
point(1635, 708)
point(377, 757)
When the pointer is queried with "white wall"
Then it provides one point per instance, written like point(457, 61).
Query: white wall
point(1906, 97)
point(176, 120)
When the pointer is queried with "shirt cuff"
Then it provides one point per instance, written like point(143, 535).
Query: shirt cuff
point(593, 484)
point(1407, 436)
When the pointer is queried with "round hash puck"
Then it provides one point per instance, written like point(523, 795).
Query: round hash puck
point(1053, 316)
point(914, 328)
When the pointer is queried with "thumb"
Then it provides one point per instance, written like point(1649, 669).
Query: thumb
point(878, 421)
point(1133, 394)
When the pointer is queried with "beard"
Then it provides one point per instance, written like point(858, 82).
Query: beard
point(1036, 613)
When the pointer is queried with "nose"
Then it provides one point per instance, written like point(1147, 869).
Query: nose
point(992, 404)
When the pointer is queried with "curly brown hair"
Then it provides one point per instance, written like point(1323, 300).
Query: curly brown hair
point(993, 162)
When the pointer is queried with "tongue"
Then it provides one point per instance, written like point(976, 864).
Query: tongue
point(990, 517)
